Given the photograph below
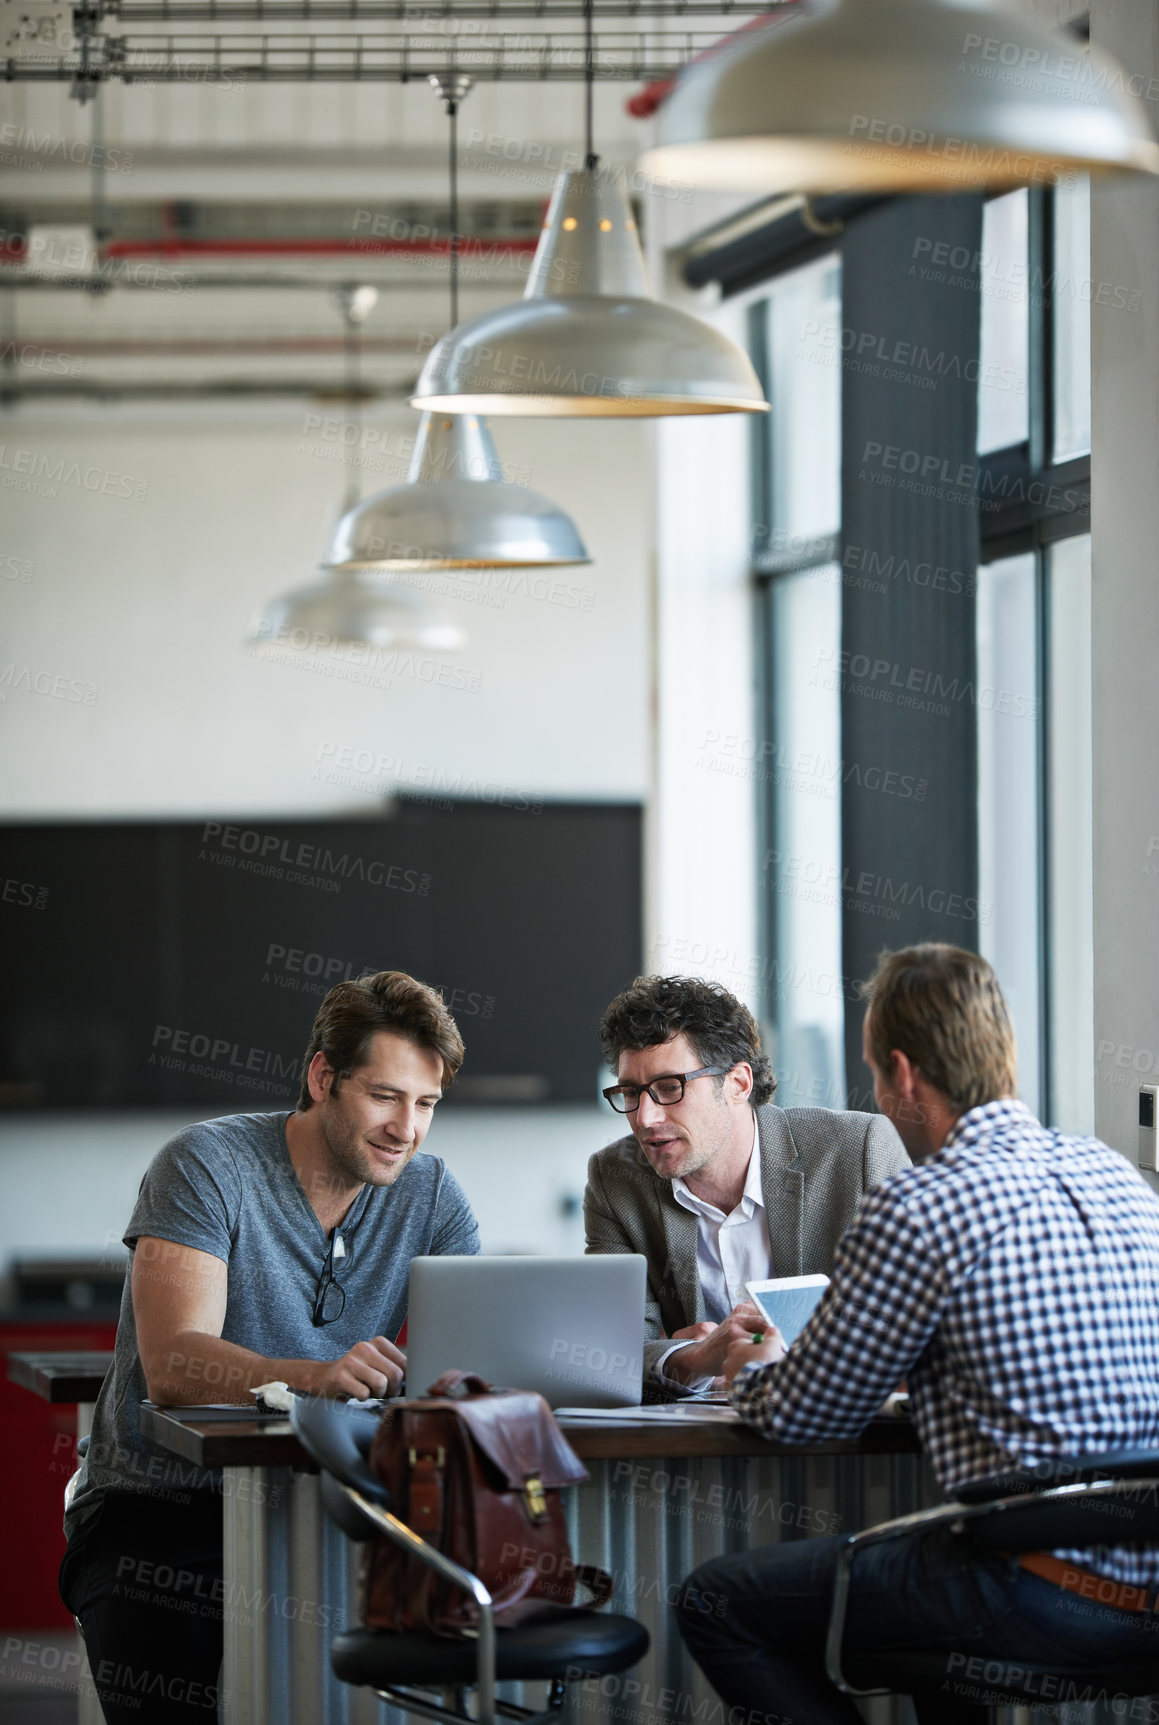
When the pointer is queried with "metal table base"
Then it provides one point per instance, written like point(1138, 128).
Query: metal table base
point(290, 1581)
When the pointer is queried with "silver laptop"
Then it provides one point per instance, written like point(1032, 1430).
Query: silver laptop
point(571, 1328)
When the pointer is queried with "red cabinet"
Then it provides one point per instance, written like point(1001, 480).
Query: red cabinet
point(37, 1455)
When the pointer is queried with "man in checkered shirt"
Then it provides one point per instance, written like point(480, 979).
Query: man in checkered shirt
point(1011, 1278)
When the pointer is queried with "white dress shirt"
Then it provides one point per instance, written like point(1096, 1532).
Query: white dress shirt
point(730, 1251)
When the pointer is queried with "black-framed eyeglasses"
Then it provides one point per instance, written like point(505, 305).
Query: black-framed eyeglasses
point(625, 1098)
point(330, 1295)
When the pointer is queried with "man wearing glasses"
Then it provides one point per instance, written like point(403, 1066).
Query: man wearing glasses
point(264, 1247)
point(716, 1186)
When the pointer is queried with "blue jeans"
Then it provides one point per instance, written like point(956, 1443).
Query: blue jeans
point(756, 1622)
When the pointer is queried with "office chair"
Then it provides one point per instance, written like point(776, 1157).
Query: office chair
point(556, 1648)
point(1066, 1503)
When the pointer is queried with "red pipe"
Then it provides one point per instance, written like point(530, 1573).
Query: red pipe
point(645, 102)
point(15, 248)
point(191, 248)
point(226, 344)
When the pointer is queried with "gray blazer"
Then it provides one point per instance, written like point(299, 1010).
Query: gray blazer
point(815, 1165)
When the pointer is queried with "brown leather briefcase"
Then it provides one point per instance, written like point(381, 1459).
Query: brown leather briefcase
point(478, 1476)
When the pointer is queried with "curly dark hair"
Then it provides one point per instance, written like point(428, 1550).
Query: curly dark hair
point(391, 1000)
point(719, 1027)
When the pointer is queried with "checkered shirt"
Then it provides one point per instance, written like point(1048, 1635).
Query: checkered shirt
point(1012, 1280)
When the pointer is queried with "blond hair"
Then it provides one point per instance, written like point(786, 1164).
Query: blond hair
point(943, 1008)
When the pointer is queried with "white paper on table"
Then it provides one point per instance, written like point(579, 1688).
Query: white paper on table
point(666, 1415)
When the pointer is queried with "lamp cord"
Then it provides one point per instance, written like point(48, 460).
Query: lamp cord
point(453, 117)
point(353, 400)
point(590, 157)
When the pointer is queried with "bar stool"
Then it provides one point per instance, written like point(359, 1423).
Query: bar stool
point(557, 1648)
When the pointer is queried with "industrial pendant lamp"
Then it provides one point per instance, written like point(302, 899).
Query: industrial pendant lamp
point(588, 339)
point(455, 510)
point(349, 607)
point(899, 95)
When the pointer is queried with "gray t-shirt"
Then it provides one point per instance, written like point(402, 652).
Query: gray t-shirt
point(228, 1187)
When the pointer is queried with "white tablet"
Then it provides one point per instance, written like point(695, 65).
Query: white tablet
point(788, 1301)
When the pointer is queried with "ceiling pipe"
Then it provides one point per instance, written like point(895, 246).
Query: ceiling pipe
point(38, 283)
point(227, 248)
point(195, 346)
point(178, 389)
point(15, 251)
point(432, 12)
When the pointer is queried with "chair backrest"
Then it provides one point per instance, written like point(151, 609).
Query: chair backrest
point(345, 1513)
point(1111, 1512)
point(338, 1436)
point(1061, 1470)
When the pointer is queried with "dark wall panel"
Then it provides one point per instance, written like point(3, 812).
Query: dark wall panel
point(910, 555)
point(79, 957)
point(182, 965)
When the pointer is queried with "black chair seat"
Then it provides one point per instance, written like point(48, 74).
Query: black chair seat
point(575, 1643)
point(1049, 1685)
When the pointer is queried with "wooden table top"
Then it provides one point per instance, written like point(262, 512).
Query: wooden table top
point(75, 1377)
point(236, 1438)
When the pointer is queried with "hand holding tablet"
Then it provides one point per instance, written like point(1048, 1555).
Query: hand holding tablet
point(788, 1302)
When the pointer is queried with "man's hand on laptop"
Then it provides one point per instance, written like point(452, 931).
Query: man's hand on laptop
point(373, 1368)
point(708, 1344)
point(749, 1353)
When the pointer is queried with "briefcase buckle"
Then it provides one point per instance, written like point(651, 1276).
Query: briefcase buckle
point(439, 1458)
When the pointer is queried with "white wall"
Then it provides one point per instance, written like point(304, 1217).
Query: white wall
point(70, 1181)
point(703, 911)
point(147, 603)
point(702, 898)
point(1125, 613)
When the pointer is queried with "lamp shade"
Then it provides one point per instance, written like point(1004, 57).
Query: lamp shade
point(352, 608)
point(587, 339)
point(900, 95)
point(455, 511)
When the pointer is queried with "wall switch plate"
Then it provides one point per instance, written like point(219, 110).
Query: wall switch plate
point(1149, 1127)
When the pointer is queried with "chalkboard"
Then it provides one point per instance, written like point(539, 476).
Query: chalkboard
point(182, 963)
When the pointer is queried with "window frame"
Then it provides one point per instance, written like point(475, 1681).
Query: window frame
point(1030, 525)
point(767, 567)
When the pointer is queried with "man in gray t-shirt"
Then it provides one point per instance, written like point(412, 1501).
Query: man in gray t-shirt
point(264, 1246)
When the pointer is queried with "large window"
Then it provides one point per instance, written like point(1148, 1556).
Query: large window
point(1031, 616)
point(1009, 890)
point(1003, 405)
point(1033, 641)
point(1070, 982)
point(797, 329)
point(803, 869)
